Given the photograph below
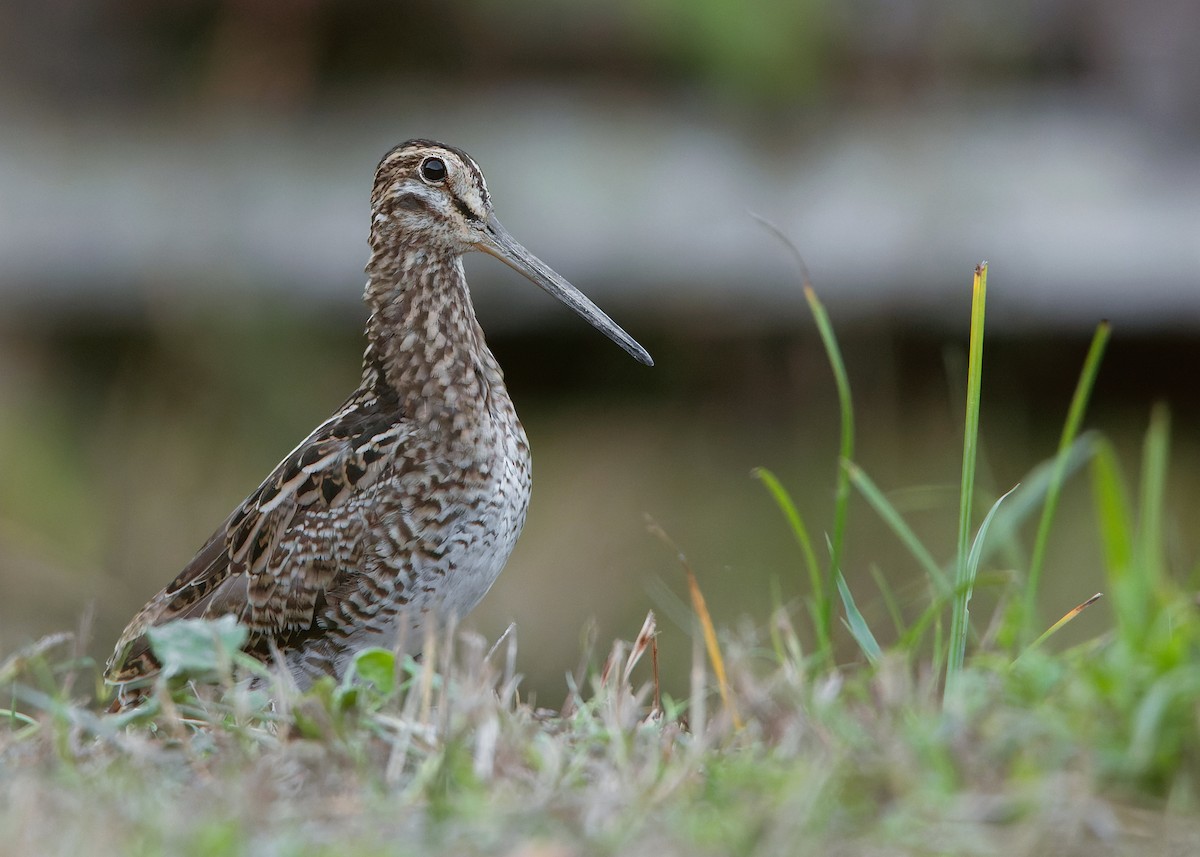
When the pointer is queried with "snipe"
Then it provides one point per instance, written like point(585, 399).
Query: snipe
point(405, 504)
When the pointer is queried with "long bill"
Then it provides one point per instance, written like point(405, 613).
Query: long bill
point(496, 241)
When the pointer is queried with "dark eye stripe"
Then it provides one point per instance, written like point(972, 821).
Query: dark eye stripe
point(465, 211)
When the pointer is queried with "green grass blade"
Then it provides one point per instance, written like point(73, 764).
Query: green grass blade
point(823, 618)
point(1152, 500)
point(1075, 413)
point(1134, 547)
point(786, 505)
point(845, 402)
point(1118, 537)
point(857, 624)
point(895, 521)
point(958, 616)
point(960, 622)
point(1114, 514)
point(1070, 614)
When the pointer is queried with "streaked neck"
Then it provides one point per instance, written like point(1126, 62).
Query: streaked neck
point(423, 339)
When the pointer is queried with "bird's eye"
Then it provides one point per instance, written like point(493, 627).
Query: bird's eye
point(433, 170)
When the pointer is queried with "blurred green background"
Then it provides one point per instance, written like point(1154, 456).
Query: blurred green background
point(183, 211)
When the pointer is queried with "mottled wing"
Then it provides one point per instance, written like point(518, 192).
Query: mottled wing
point(272, 560)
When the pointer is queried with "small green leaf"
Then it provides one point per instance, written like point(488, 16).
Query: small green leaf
point(377, 667)
point(196, 647)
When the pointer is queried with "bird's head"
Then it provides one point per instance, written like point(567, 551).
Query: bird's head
point(431, 196)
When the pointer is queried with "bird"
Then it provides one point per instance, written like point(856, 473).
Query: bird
point(401, 509)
